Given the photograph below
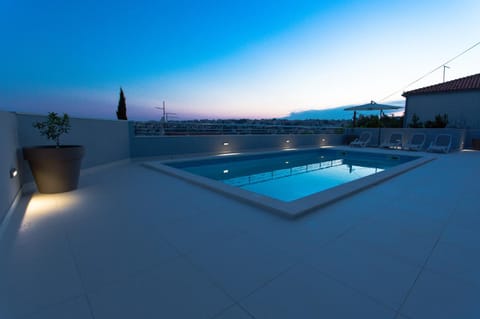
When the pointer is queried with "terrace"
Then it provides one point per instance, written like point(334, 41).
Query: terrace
point(135, 243)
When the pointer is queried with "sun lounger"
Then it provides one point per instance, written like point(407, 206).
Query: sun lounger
point(363, 140)
point(416, 142)
point(441, 143)
point(395, 141)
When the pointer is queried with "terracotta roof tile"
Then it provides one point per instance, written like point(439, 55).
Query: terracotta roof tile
point(471, 82)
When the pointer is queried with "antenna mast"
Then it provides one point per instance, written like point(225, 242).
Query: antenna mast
point(444, 68)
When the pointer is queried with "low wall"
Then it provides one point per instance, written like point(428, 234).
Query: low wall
point(143, 146)
point(9, 158)
point(470, 135)
point(105, 141)
point(458, 135)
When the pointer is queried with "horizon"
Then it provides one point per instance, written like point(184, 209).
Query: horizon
point(339, 115)
point(226, 60)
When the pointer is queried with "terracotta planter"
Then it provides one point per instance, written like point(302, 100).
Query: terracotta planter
point(55, 170)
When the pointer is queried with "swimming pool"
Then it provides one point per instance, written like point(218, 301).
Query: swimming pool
point(292, 182)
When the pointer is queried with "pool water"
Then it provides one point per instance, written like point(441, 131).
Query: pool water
point(289, 176)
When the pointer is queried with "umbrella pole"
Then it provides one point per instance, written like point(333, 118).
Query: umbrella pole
point(379, 127)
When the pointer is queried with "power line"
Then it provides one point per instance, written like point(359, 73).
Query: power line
point(427, 74)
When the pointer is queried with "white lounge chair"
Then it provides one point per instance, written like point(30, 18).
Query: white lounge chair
point(395, 141)
point(416, 142)
point(441, 143)
point(363, 140)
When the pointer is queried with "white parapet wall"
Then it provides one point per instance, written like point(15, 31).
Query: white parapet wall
point(151, 146)
point(9, 159)
point(105, 141)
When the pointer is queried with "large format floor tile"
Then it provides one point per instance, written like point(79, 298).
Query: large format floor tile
point(305, 293)
point(459, 261)
point(33, 283)
point(391, 239)
point(442, 297)
point(299, 238)
point(114, 250)
point(241, 265)
point(37, 269)
point(200, 231)
point(466, 237)
point(366, 269)
point(234, 312)
point(76, 308)
point(173, 290)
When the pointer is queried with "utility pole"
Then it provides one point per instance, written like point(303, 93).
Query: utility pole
point(164, 116)
point(445, 67)
point(164, 112)
point(164, 109)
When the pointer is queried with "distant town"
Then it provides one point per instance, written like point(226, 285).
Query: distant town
point(240, 126)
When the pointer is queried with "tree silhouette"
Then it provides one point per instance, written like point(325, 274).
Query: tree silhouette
point(122, 107)
point(415, 123)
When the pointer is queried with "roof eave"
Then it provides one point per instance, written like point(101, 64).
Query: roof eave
point(410, 93)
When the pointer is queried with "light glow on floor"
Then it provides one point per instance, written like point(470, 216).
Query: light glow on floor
point(44, 205)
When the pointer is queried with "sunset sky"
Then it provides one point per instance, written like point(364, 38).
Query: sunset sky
point(226, 59)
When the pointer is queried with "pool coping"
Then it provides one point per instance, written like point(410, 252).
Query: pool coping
point(301, 206)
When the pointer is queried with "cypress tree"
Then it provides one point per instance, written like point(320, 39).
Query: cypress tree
point(122, 107)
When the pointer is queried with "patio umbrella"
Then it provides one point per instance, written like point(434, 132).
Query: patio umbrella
point(372, 106)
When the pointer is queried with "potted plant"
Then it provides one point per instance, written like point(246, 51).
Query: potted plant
point(55, 168)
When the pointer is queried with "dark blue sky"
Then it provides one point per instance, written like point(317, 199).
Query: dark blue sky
point(222, 58)
point(78, 42)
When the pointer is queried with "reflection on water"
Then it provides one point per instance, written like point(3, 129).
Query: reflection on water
point(296, 182)
point(280, 173)
point(291, 176)
point(300, 185)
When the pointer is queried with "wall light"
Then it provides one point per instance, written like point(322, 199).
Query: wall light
point(225, 171)
point(13, 172)
point(287, 141)
point(323, 140)
point(226, 143)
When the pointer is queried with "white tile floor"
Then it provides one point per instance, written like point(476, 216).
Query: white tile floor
point(133, 243)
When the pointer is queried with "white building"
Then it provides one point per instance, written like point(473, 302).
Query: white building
point(459, 99)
